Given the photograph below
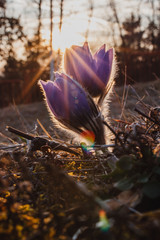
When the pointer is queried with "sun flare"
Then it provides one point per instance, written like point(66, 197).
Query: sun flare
point(68, 36)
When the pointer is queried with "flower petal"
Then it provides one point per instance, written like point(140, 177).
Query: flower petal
point(72, 106)
point(105, 68)
point(92, 73)
point(53, 94)
point(99, 55)
point(87, 49)
point(66, 99)
point(78, 63)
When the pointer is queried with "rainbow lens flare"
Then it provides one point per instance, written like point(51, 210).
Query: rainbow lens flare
point(103, 223)
point(89, 138)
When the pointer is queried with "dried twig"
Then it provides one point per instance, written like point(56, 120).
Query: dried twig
point(146, 116)
point(38, 142)
point(20, 133)
point(5, 147)
point(112, 130)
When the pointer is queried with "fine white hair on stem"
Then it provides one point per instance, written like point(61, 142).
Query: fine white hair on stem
point(106, 98)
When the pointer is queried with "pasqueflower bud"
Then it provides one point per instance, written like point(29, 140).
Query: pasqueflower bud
point(93, 72)
point(73, 107)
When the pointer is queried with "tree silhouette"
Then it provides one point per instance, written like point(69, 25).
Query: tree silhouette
point(137, 56)
point(36, 54)
point(11, 31)
point(132, 37)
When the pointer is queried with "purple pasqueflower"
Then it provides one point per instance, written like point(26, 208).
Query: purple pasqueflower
point(93, 72)
point(72, 106)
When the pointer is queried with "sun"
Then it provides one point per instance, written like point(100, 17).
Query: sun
point(70, 34)
point(65, 38)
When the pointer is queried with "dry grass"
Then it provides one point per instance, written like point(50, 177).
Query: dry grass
point(148, 92)
point(24, 117)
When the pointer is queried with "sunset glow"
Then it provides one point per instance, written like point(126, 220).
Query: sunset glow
point(70, 34)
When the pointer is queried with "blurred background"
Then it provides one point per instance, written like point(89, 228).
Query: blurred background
point(35, 33)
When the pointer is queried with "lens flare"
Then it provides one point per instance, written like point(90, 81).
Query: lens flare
point(103, 223)
point(89, 138)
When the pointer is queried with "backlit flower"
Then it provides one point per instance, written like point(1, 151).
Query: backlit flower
point(72, 106)
point(93, 72)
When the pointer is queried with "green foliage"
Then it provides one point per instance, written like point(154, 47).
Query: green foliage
point(152, 189)
point(126, 162)
point(135, 173)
